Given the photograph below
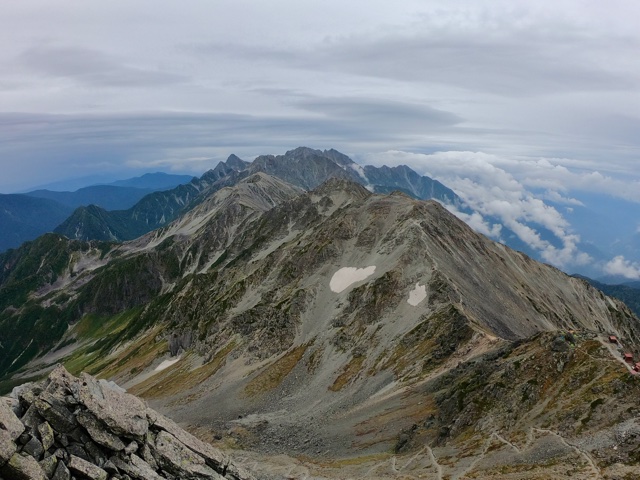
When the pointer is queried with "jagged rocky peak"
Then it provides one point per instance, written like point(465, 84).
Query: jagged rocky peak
point(211, 224)
point(233, 164)
point(236, 162)
point(338, 157)
point(66, 427)
point(305, 167)
point(332, 154)
point(259, 191)
point(303, 152)
point(337, 192)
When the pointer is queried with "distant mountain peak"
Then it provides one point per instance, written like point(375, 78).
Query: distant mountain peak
point(338, 157)
point(236, 162)
point(331, 154)
point(302, 152)
point(154, 181)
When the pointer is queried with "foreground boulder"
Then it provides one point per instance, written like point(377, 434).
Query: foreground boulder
point(66, 427)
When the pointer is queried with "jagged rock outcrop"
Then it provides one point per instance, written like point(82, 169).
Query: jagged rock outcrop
point(66, 427)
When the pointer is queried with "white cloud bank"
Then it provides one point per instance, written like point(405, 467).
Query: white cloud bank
point(623, 267)
point(495, 194)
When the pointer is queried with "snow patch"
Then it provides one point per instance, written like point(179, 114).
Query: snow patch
point(417, 295)
point(166, 364)
point(347, 276)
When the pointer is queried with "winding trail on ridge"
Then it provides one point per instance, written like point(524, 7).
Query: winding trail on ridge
point(596, 471)
point(435, 463)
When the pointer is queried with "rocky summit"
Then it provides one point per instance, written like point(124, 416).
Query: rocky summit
point(66, 427)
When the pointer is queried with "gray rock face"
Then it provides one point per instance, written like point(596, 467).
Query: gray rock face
point(95, 430)
point(9, 422)
point(46, 435)
point(49, 465)
point(7, 447)
point(216, 459)
point(180, 460)
point(55, 413)
point(10, 429)
point(122, 413)
point(136, 468)
point(87, 469)
point(98, 433)
point(34, 447)
point(62, 472)
point(21, 467)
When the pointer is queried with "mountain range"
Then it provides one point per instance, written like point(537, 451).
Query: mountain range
point(26, 216)
point(295, 309)
point(590, 233)
point(303, 167)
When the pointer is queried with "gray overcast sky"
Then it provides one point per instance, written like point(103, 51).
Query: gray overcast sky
point(125, 86)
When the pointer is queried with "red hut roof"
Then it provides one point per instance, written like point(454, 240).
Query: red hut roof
point(628, 357)
point(613, 339)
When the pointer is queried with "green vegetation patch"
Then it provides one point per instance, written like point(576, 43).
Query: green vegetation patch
point(27, 332)
point(93, 326)
point(99, 335)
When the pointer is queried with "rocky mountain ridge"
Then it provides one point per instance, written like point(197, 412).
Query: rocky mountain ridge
point(303, 167)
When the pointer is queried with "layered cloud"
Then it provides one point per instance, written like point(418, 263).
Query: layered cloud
point(81, 144)
point(494, 55)
point(92, 68)
point(511, 78)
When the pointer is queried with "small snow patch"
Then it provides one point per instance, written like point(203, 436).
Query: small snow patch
point(166, 364)
point(417, 295)
point(347, 276)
